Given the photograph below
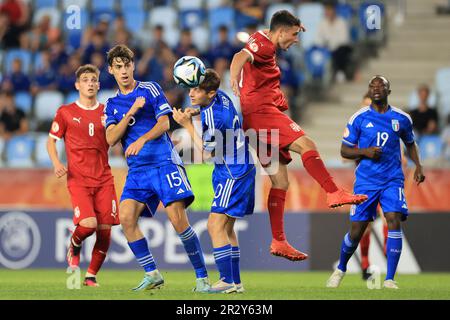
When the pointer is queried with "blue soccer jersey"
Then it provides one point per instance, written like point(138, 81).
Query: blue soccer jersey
point(157, 152)
point(368, 128)
point(234, 171)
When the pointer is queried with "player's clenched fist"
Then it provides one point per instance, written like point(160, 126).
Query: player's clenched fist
point(137, 105)
point(418, 175)
point(235, 87)
point(373, 153)
point(60, 170)
point(134, 148)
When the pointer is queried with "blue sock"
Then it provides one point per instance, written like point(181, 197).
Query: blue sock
point(393, 251)
point(348, 247)
point(194, 251)
point(235, 256)
point(142, 254)
point(222, 256)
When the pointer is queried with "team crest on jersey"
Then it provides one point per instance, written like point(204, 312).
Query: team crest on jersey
point(55, 126)
point(252, 45)
point(395, 125)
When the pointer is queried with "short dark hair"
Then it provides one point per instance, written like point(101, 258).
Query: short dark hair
point(87, 68)
point(283, 18)
point(120, 51)
point(211, 81)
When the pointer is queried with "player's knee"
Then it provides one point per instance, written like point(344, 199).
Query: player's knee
point(282, 184)
point(89, 223)
point(302, 145)
point(127, 219)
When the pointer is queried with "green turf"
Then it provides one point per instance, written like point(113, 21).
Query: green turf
point(51, 284)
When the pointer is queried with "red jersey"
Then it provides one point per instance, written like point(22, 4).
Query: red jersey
point(260, 78)
point(86, 146)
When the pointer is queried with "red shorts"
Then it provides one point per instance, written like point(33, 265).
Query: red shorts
point(95, 202)
point(268, 120)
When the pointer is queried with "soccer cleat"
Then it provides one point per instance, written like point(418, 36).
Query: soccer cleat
point(202, 285)
point(239, 288)
point(90, 282)
point(390, 284)
point(285, 250)
point(222, 287)
point(150, 281)
point(335, 280)
point(73, 255)
point(366, 275)
point(342, 197)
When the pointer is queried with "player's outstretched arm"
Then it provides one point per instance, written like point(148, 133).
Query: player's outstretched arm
point(238, 62)
point(59, 168)
point(356, 153)
point(413, 152)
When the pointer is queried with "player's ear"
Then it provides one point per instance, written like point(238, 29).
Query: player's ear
point(77, 85)
point(389, 92)
point(110, 71)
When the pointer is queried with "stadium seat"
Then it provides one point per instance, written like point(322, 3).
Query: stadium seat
point(414, 100)
point(200, 37)
point(71, 97)
point(277, 7)
point(135, 5)
point(311, 14)
point(41, 155)
point(53, 13)
point(37, 61)
point(346, 11)
point(19, 151)
point(317, 60)
point(2, 148)
point(218, 17)
point(104, 95)
point(24, 101)
point(191, 18)
point(443, 81)
point(79, 3)
point(103, 5)
point(46, 104)
point(165, 16)
point(23, 55)
point(134, 20)
point(431, 147)
point(103, 15)
point(45, 4)
point(171, 36)
point(73, 34)
point(213, 4)
point(189, 4)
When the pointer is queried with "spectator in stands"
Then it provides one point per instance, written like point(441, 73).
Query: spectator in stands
point(106, 80)
point(185, 43)
point(224, 48)
point(17, 80)
point(158, 42)
point(58, 55)
point(446, 139)
point(14, 19)
point(425, 119)
point(98, 44)
point(12, 120)
point(249, 12)
point(150, 67)
point(43, 35)
point(333, 33)
point(45, 76)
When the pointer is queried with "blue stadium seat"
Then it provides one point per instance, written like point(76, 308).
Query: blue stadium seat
point(317, 60)
point(71, 97)
point(271, 9)
point(24, 101)
point(346, 11)
point(79, 3)
point(431, 147)
point(73, 33)
point(135, 20)
point(21, 54)
point(19, 151)
point(311, 14)
point(103, 5)
point(41, 155)
point(200, 38)
point(103, 15)
point(221, 16)
point(134, 5)
point(165, 16)
point(45, 4)
point(191, 18)
point(213, 4)
point(46, 104)
point(443, 81)
point(189, 4)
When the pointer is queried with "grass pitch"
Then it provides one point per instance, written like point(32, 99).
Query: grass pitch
point(50, 284)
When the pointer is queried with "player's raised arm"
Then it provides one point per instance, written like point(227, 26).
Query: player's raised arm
point(238, 62)
point(115, 132)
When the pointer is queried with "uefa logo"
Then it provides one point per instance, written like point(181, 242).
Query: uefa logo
point(20, 240)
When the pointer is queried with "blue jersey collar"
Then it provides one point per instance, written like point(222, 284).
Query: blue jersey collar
point(374, 110)
point(134, 89)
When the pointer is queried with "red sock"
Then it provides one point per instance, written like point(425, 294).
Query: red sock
point(100, 249)
point(365, 243)
point(316, 169)
point(81, 233)
point(276, 212)
point(385, 233)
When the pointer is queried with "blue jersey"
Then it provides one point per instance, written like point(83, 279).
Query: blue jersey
point(157, 152)
point(223, 134)
point(368, 128)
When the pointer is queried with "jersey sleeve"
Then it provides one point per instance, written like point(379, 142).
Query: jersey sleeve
point(109, 114)
point(407, 134)
point(214, 133)
point(159, 101)
point(59, 125)
point(256, 50)
point(351, 133)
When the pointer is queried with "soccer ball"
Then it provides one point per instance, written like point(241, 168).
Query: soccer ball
point(189, 71)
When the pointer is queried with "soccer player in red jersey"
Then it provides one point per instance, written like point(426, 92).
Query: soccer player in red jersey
point(255, 77)
point(89, 178)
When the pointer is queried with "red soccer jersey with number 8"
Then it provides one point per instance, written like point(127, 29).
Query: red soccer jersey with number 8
point(85, 141)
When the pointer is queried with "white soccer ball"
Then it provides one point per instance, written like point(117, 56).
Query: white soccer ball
point(189, 71)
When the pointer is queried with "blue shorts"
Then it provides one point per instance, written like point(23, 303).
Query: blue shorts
point(168, 184)
point(391, 199)
point(234, 197)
